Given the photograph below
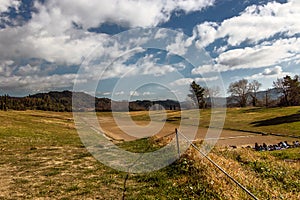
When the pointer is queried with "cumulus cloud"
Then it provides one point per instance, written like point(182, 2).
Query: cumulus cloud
point(7, 68)
point(51, 34)
point(142, 13)
point(256, 27)
point(207, 32)
point(58, 32)
point(272, 71)
point(148, 66)
point(27, 42)
point(256, 23)
point(6, 4)
point(182, 81)
point(259, 56)
point(269, 73)
point(37, 83)
point(28, 70)
point(180, 45)
point(204, 69)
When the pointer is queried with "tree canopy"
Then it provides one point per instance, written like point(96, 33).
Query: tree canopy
point(290, 89)
point(240, 91)
point(197, 94)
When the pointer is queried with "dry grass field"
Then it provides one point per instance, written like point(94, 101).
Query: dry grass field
point(42, 157)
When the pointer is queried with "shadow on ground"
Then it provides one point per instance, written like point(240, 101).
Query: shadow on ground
point(278, 120)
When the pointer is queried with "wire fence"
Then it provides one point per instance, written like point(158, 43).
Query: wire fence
point(178, 133)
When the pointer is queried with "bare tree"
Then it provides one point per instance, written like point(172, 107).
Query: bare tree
point(254, 87)
point(240, 91)
point(214, 91)
point(281, 88)
point(206, 92)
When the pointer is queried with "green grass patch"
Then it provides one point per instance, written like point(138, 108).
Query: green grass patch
point(284, 121)
point(290, 154)
point(140, 146)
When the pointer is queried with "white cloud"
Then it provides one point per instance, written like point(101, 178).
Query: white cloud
point(28, 70)
point(7, 68)
point(106, 93)
point(161, 34)
point(134, 94)
point(50, 33)
point(55, 43)
point(259, 56)
point(207, 32)
point(207, 79)
point(188, 81)
point(148, 66)
point(269, 73)
point(180, 45)
point(142, 13)
point(256, 23)
point(119, 93)
point(182, 81)
point(272, 71)
point(37, 83)
point(148, 93)
point(204, 69)
point(5, 4)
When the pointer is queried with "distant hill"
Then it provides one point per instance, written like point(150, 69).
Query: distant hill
point(62, 102)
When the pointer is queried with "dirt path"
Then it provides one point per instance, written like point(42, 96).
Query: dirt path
point(127, 131)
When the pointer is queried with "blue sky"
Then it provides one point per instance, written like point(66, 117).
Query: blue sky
point(44, 44)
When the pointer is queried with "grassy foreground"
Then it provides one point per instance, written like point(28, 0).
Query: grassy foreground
point(41, 157)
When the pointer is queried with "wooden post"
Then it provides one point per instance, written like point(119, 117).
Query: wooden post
point(177, 141)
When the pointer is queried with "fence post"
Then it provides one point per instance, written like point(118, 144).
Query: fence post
point(177, 141)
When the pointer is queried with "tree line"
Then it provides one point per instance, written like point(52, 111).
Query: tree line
point(244, 93)
point(62, 102)
point(45, 103)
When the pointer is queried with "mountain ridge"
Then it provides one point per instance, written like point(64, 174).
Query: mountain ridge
point(61, 101)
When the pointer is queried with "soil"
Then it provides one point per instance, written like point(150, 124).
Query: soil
point(127, 131)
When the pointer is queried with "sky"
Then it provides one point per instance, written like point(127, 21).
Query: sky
point(142, 49)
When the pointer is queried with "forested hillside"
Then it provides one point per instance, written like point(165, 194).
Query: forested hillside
point(62, 102)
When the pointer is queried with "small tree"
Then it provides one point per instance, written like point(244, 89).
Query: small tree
point(240, 91)
point(254, 87)
point(210, 92)
point(267, 97)
point(197, 94)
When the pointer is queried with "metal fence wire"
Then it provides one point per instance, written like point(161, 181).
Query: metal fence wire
point(178, 133)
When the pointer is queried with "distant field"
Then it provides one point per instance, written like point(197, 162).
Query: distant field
point(285, 121)
point(42, 157)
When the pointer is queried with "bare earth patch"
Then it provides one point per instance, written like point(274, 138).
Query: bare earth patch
point(227, 137)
